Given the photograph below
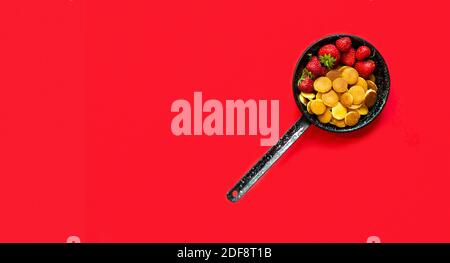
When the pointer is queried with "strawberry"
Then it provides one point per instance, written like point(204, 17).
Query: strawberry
point(315, 68)
point(329, 55)
point(365, 68)
point(348, 58)
point(344, 44)
point(306, 85)
point(362, 52)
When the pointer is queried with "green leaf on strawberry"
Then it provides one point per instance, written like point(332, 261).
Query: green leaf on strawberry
point(305, 73)
point(327, 60)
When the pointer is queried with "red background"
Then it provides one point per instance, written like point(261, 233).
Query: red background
point(86, 146)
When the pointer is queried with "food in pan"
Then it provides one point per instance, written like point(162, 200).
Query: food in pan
point(337, 84)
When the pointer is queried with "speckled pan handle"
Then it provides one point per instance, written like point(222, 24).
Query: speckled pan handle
point(274, 153)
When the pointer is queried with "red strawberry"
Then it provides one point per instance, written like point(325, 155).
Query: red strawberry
point(362, 52)
point(365, 68)
point(348, 58)
point(344, 44)
point(329, 55)
point(315, 68)
point(306, 85)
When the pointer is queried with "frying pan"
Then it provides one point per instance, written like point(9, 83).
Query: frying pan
point(274, 153)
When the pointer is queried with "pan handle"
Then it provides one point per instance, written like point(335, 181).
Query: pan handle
point(272, 155)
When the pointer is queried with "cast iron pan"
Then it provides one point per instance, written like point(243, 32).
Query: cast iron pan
point(382, 81)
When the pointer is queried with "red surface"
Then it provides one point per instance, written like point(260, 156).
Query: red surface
point(87, 150)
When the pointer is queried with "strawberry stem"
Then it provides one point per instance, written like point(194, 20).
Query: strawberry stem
point(305, 73)
point(327, 60)
point(373, 54)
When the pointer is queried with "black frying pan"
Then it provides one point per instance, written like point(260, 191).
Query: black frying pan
point(382, 81)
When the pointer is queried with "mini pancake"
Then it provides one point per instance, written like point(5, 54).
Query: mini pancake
point(339, 112)
point(341, 68)
point(358, 94)
point(350, 75)
point(340, 85)
point(317, 107)
point(362, 82)
point(370, 98)
point(308, 107)
point(346, 99)
point(325, 117)
point(303, 100)
point(355, 106)
point(333, 74)
point(330, 98)
point(322, 84)
point(352, 118)
point(371, 85)
point(338, 123)
point(363, 110)
point(309, 96)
